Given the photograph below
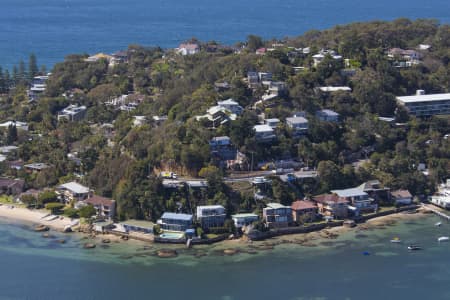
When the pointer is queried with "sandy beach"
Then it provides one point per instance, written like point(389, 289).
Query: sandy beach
point(32, 216)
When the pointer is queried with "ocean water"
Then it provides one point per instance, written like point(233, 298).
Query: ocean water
point(33, 267)
point(54, 28)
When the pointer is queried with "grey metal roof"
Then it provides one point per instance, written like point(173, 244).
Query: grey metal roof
point(175, 216)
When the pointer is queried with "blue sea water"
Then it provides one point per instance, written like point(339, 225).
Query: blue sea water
point(33, 267)
point(54, 28)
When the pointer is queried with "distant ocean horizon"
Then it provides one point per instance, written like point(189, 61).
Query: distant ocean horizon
point(53, 29)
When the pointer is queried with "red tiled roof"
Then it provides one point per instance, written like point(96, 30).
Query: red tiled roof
point(303, 204)
point(325, 198)
point(98, 200)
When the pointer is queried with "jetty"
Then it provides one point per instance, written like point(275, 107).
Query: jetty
point(436, 211)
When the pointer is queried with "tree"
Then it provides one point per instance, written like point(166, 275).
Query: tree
point(87, 211)
point(11, 136)
point(33, 69)
point(254, 42)
point(29, 200)
point(47, 197)
point(54, 207)
point(330, 175)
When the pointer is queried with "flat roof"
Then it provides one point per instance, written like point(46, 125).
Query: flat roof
point(297, 120)
point(424, 98)
point(263, 128)
point(244, 215)
point(276, 205)
point(138, 223)
point(175, 216)
point(335, 88)
point(75, 187)
point(210, 206)
point(349, 192)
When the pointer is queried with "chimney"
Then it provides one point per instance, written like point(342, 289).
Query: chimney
point(420, 92)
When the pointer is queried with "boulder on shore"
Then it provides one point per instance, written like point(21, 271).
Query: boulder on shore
point(89, 246)
point(166, 253)
point(40, 228)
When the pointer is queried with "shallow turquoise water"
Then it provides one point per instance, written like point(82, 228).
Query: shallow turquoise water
point(55, 28)
point(33, 267)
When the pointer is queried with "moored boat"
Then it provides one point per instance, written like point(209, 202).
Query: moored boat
point(414, 247)
point(443, 239)
point(396, 240)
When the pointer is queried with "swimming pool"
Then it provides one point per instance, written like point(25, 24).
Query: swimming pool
point(172, 235)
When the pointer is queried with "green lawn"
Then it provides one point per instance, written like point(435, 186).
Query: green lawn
point(6, 199)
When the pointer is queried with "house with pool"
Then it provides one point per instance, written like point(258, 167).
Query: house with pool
point(175, 222)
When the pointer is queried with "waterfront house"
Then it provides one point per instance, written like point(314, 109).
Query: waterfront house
point(401, 197)
point(331, 205)
point(422, 105)
point(360, 200)
point(298, 125)
point(327, 115)
point(175, 222)
point(73, 191)
point(376, 191)
point(442, 196)
point(140, 226)
point(277, 215)
point(72, 113)
point(10, 186)
point(244, 219)
point(304, 211)
point(264, 133)
point(105, 207)
point(188, 49)
point(211, 216)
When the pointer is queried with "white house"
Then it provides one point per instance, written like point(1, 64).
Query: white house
point(442, 196)
point(264, 133)
point(73, 191)
point(72, 113)
point(327, 115)
point(211, 215)
point(274, 122)
point(231, 105)
point(319, 57)
point(299, 125)
point(241, 220)
point(188, 49)
point(19, 125)
point(422, 105)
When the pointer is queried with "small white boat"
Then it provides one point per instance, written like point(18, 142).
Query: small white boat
point(443, 239)
point(396, 240)
point(414, 247)
point(438, 224)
